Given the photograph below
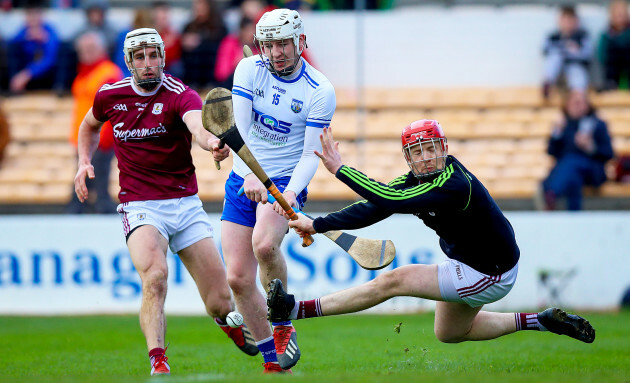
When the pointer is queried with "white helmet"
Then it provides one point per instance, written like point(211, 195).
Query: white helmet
point(280, 24)
point(139, 39)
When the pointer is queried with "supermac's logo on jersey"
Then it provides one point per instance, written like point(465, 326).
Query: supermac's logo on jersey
point(296, 106)
point(138, 133)
point(121, 107)
point(157, 108)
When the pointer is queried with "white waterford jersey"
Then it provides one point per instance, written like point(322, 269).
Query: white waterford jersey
point(283, 108)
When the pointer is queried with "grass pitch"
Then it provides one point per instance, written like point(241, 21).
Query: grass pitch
point(351, 348)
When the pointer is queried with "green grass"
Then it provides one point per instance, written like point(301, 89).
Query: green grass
point(359, 348)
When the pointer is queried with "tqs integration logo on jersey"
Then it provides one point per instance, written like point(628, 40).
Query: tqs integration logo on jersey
point(269, 129)
point(272, 123)
point(137, 134)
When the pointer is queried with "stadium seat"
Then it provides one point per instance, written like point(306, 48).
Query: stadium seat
point(500, 134)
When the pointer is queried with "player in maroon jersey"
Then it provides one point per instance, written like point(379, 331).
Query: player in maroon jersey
point(154, 117)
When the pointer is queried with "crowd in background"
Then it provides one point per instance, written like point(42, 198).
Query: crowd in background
point(571, 52)
point(40, 59)
point(204, 54)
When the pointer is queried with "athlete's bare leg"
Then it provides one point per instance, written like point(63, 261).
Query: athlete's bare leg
point(458, 322)
point(204, 264)
point(148, 248)
point(236, 241)
point(412, 280)
point(267, 237)
point(454, 322)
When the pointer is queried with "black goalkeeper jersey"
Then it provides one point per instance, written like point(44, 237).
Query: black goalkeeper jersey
point(471, 227)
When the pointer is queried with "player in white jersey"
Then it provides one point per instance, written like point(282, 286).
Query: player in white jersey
point(281, 104)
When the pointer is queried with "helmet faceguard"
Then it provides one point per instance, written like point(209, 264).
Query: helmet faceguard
point(425, 149)
point(144, 38)
point(276, 26)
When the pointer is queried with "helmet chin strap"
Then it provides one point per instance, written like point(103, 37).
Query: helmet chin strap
point(425, 177)
point(288, 70)
point(149, 84)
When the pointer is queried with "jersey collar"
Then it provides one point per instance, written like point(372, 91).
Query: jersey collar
point(292, 77)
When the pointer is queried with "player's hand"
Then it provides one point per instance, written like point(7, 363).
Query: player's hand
point(20, 80)
point(560, 122)
point(585, 142)
point(254, 189)
point(85, 170)
point(303, 225)
point(219, 152)
point(291, 198)
point(572, 47)
point(331, 158)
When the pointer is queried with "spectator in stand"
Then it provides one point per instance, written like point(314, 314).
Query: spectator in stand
point(200, 43)
point(568, 52)
point(253, 9)
point(64, 4)
point(161, 12)
point(33, 52)
point(5, 137)
point(3, 65)
point(231, 52)
point(95, 69)
point(581, 145)
point(614, 47)
point(141, 19)
point(96, 20)
point(96, 16)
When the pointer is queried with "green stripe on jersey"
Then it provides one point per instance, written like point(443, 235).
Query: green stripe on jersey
point(395, 194)
point(469, 186)
point(358, 202)
point(398, 180)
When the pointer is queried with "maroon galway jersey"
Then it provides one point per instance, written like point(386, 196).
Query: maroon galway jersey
point(151, 141)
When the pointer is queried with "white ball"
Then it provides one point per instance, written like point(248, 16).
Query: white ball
point(234, 319)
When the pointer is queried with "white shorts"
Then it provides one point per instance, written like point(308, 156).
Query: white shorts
point(182, 221)
point(461, 283)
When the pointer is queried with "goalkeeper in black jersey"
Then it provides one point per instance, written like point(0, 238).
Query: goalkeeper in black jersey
point(479, 242)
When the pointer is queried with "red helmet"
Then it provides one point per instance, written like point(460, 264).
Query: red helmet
point(422, 130)
point(418, 133)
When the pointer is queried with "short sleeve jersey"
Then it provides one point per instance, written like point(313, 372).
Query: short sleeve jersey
point(151, 140)
point(281, 110)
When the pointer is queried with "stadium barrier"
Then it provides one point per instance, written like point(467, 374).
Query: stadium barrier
point(80, 265)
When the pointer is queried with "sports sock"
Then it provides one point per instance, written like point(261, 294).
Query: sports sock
point(285, 323)
point(308, 309)
point(528, 321)
point(268, 350)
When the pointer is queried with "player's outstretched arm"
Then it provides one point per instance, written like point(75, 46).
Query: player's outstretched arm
point(89, 136)
point(206, 140)
point(330, 156)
